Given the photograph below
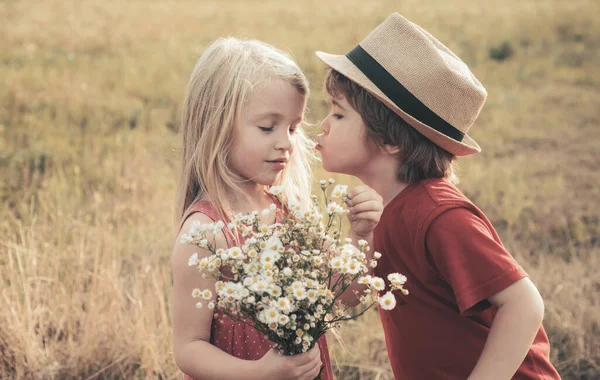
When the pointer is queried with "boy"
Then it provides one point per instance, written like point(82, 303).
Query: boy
point(402, 104)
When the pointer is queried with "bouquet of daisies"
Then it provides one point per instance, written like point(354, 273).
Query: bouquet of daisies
point(285, 279)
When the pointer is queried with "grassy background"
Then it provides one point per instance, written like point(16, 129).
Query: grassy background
point(89, 100)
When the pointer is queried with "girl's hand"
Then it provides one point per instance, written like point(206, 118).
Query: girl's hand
point(296, 367)
point(365, 207)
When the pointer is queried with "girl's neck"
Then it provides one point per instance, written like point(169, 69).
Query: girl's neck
point(252, 198)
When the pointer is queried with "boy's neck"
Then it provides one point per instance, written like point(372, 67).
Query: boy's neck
point(387, 188)
point(380, 174)
point(384, 181)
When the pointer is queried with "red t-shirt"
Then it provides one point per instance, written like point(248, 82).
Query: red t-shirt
point(454, 261)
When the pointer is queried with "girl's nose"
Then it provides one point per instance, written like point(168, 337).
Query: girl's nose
point(284, 142)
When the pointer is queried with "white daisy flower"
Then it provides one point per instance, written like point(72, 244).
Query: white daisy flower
point(196, 293)
point(199, 305)
point(312, 296)
point(275, 291)
point(334, 208)
point(377, 283)
point(252, 253)
point(248, 281)
point(354, 267)
point(272, 315)
point(276, 190)
point(387, 301)
point(193, 260)
point(336, 263)
point(283, 319)
point(299, 294)
point(339, 191)
point(235, 253)
point(284, 304)
point(397, 279)
point(260, 286)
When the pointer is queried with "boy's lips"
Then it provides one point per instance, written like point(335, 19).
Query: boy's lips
point(318, 145)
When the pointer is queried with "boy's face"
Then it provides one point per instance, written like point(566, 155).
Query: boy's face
point(344, 145)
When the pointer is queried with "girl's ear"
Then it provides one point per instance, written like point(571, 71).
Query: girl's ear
point(390, 149)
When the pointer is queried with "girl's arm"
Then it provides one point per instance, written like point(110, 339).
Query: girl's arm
point(517, 321)
point(194, 354)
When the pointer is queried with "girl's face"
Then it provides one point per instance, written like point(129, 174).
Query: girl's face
point(344, 145)
point(265, 136)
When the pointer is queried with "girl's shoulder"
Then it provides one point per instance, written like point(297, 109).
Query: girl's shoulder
point(205, 212)
point(203, 207)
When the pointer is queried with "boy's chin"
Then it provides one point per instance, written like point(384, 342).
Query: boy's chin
point(332, 168)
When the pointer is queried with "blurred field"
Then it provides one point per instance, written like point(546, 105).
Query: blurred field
point(89, 100)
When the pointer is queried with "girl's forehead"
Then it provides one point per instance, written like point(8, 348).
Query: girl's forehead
point(274, 99)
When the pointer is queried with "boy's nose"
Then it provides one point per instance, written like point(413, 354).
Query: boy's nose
point(324, 126)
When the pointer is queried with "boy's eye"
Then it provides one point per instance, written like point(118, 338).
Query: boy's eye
point(265, 129)
point(337, 116)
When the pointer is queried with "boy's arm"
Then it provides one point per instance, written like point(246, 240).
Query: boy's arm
point(517, 321)
point(464, 249)
point(365, 207)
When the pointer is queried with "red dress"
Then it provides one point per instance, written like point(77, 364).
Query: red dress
point(236, 338)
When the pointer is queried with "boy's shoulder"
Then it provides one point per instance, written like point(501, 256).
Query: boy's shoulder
point(417, 205)
point(442, 192)
point(428, 195)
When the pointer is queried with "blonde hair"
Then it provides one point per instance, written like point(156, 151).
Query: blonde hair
point(222, 81)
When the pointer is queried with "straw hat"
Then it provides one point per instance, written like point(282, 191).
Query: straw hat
point(419, 78)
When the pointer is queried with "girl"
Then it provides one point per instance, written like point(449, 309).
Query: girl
point(241, 134)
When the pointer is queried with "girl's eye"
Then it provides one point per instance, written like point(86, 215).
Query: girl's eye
point(337, 116)
point(265, 129)
point(293, 130)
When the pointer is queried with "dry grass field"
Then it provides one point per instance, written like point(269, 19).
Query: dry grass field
point(89, 99)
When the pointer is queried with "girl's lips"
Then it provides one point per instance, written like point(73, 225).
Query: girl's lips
point(279, 165)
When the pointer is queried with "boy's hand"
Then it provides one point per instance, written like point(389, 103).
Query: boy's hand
point(365, 207)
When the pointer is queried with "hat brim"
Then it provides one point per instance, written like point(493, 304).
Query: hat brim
point(344, 66)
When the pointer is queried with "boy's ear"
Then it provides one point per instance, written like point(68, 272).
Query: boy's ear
point(390, 149)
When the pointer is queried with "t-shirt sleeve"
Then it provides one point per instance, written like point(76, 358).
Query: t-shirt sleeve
point(474, 264)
